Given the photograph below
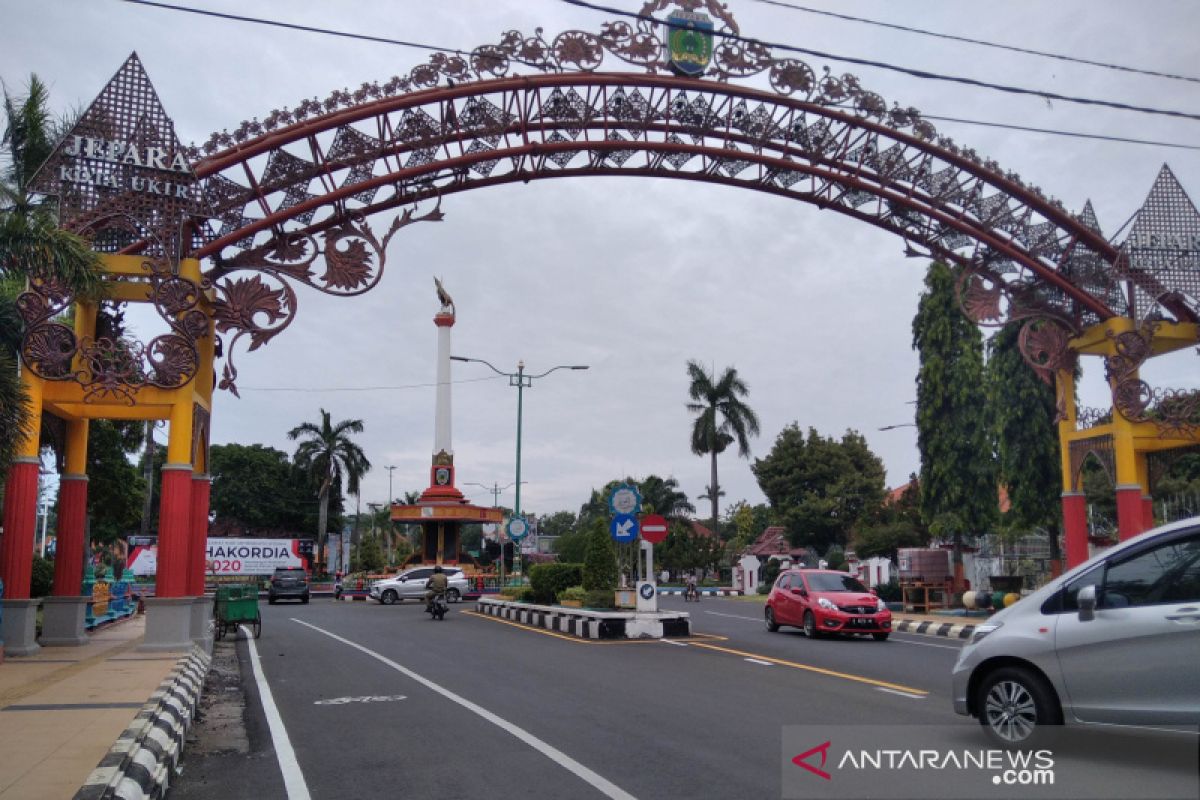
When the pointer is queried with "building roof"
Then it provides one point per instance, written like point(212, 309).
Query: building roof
point(700, 530)
point(774, 542)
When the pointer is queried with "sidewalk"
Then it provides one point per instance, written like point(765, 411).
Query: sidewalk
point(62, 709)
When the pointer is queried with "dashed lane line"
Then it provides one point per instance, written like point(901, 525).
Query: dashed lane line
point(909, 695)
point(758, 661)
point(733, 616)
point(818, 670)
point(599, 782)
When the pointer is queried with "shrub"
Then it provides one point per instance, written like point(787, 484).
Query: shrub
point(770, 572)
point(575, 593)
point(547, 580)
point(524, 594)
point(42, 579)
point(599, 598)
point(889, 592)
point(600, 565)
point(764, 588)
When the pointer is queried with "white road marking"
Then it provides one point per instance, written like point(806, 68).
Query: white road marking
point(601, 783)
point(909, 695)
point(926, 644)
point(370, 698)
point(757, 661)
point(677, 644)
point(732, 616)
point(293, 778)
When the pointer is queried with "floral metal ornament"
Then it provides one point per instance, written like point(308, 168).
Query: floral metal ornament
point(261, 305)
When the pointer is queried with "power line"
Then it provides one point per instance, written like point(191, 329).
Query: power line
point(1054, 132)
point(307, 28)
point(435, 48)
point(981, 42)
point(916, 73)
point(315, 390)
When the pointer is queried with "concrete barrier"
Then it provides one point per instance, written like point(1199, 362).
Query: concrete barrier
point(141, 763)
point(590, 624)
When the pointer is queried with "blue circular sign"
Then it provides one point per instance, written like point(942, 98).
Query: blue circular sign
point(517, 528)
point(624, 528)
point(625, 500)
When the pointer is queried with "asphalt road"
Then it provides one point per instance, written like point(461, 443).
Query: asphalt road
point(477, 707)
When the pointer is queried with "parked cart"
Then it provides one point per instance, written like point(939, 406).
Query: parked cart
point(237, 604)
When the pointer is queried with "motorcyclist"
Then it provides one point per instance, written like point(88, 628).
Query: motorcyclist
point(691, 591)
point(436, 585)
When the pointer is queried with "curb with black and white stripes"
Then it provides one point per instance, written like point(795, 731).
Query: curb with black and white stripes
point(575, 626)
point(140, 764)
point(953, 630)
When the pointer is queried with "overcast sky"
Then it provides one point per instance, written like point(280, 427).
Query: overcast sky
point(633, 277)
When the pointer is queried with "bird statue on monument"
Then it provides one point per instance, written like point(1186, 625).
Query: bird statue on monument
point(443, 296)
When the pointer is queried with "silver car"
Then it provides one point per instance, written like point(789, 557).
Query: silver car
point(1115, 641)
point(410, 585)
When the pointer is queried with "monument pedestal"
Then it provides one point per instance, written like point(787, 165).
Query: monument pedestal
point(168, 624)
point(62, 621)
point(19, 631)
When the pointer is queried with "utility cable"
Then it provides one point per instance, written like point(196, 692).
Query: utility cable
point(313, 390)
point(981, 42)
point(435, 48)
point(916, 73)
point(308, 28)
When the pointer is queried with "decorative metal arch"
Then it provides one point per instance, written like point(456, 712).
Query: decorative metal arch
point(278, 194)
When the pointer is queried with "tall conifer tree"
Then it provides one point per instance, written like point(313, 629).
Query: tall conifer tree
point(958, 467)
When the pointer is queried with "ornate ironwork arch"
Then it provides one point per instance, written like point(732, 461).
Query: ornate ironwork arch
point(278, 194)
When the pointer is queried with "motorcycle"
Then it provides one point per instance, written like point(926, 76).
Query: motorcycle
point(691, 594)
point(438, 606)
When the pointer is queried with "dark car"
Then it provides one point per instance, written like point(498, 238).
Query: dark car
point(823, 601)
point(288, 583)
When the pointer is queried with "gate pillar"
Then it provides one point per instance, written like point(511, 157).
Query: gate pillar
point(19, 619)
point(169, 612)
point(64, 613)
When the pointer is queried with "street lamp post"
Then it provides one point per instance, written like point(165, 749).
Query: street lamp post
point(520, 380)
point(901, 425)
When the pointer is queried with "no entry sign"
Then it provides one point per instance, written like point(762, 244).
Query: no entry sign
point(654, 528)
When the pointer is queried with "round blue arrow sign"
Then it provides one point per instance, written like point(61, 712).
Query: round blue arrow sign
point(624, 528)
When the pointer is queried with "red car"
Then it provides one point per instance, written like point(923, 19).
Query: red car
point(823, 601)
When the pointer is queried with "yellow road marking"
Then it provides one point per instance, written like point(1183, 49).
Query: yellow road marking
point(819, 670)
point(693, 639)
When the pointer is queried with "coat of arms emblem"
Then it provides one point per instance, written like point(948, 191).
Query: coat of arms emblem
point(689, 42)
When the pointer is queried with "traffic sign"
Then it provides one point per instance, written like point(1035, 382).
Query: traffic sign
point(625, 499)
point(624, 528)
point(517, 528)
point(654, 528)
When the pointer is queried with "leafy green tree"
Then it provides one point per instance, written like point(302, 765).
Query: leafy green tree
point(31, 244)
point(1023, 411)
point(571, 547)
point(663, 496)
point(559, 523)
point(115, 486)
point(327, 454)
point(886, 538)
point(958, 467)
point(600, 561)
point(255, 487)
point(818, 487)
point(722, 418)
point(369, 554)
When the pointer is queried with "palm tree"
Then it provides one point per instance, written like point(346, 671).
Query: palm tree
point(722, 419)
point(31, 243)
point(327, 454)
point(663, 496)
